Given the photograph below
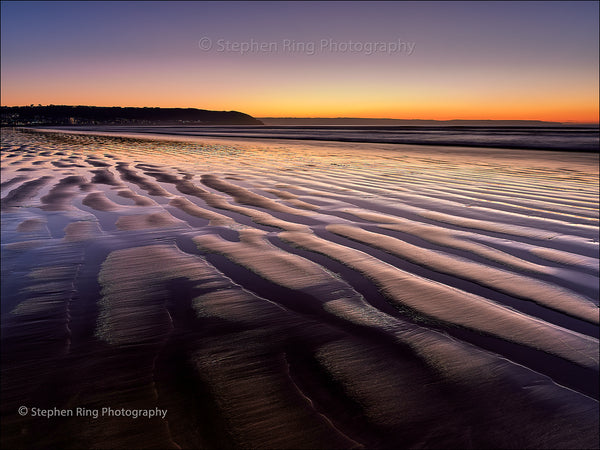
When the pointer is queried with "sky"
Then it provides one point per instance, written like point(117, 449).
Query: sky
point(405, 60)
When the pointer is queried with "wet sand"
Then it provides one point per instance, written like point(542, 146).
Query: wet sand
point(289, 294)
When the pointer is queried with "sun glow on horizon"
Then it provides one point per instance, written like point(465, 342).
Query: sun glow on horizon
point(466, 64)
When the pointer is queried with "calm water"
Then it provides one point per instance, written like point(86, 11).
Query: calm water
point(541, 138)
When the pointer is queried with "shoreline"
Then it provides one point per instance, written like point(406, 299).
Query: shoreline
point(572, 160)
point(457, 142)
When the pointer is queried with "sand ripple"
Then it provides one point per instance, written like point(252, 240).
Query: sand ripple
point(297, 295)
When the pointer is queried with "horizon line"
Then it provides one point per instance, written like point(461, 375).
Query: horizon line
point(429, 120)
point(321, 117)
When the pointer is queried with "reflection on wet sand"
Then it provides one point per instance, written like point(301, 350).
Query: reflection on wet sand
point(297, 295)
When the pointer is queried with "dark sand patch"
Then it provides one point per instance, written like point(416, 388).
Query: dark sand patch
point(81, 231)
point(149, 186)
point(63, 164)
point(105, 176)
point(96, 163)
point(23, 245)
point(244, 196)
point(99, 202)
point(31, 225)
point(139, 200)
point(187, 206)
point(144, 221)
point(12, 181)
point(24, 192)
point(189, 188)
point(161, 176)
point(60, 196)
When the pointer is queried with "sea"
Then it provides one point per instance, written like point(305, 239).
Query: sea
point(559, 138)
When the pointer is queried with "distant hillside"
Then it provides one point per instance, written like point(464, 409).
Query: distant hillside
point(355, 121)
point(100, 115)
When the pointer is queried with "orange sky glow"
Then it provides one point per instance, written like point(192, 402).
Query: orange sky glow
point(469, 60)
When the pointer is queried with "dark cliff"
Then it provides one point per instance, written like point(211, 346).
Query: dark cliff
point(99, 115)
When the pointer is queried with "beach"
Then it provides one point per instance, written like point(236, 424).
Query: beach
point(281, 293)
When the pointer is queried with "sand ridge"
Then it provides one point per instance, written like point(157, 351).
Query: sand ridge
point(291, 294)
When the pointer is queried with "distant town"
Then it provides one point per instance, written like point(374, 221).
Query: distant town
point(97, 115)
